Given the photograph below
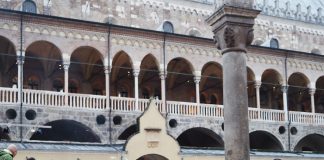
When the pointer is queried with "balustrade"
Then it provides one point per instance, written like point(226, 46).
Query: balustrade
point(57, 99)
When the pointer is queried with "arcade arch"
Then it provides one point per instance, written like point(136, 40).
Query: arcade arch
point(270, 90)
point(8, 65)
point(298, 93)
point(43, 64)
point(211, 84)
point(262, 140)
point(312, 142)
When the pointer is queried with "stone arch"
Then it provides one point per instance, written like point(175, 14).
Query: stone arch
point(194, 32)
point(211, 83)
point(152, 157)
point(264, 140)
point(8, 60)
point(49, 57)
point(122, 77)
point(66, 130)
point(251, 87)
point(316, 51)
point(4, 133)
point(270, 90)
point(149, 78)
point(312, 142)
point(200, 137)
point(298, 93)
point(128, 132)
point(180, 84)
point(319, 95)
point(86, 65)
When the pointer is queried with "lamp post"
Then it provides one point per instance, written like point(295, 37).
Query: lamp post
point(232, 26)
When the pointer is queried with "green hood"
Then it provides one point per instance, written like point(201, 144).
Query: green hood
point(4, 152)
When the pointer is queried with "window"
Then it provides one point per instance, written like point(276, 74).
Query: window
point(274, 43)
point(29, 6)
point(168, 27)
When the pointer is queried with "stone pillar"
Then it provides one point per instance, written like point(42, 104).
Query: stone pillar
point(285, 102)
point(163, 90)
point(136, 73)
point(20, 76)
point(197, 81)
point(107, 83)
point(66, 82)
point(232, 25)
point(312, 92)
point(257, 89)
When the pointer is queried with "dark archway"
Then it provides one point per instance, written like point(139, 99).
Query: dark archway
point(200, 137)
point(152, 157)
point(270, 90)
point(8, 65)
point(298, 93)
point(251, 88)
point(66, 130)
point(312, 142)
point(128, 132)
point(43, 64)
point(149, 79)
point(211, 83)
point(4, 134)
point(180, 84)
point(261, 140)
point(319, 95)
point(122, 77)
point(87, 67)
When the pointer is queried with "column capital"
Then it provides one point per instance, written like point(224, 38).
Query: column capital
point(284, 89)
point(20, 60)
point(163, 76)
point(312, 91)
point(66, 66)
point(233, 28)
point(197, 79)
point(136, 72)
point(257, 84)
point(107, 69)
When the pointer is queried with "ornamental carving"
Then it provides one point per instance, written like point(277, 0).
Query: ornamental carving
point(229, 37)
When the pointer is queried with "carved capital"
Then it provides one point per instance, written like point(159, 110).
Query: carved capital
point(312, 91)
point(233, 28)
point(136, 72)
point(162, 76)
point(197, 79)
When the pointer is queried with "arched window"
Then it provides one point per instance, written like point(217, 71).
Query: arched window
point(274, 43)
point(168, 27)
point(194, 33)
point(29, 6)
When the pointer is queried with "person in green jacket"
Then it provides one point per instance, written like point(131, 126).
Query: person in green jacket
point(9, 153)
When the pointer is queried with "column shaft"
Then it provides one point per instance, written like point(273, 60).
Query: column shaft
point(285, 103)
point(163, 97)
point(235, 106)
point(136, 73)
point(66, 83)
point(107, 79)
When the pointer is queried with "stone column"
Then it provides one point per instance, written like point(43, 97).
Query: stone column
point(312, 92)
point(107, 83)
point(232, 25)
point(285, 102)
point(136, 73)
point(163, 89)
point(257, 89)
point(66, 82)
point(197, 81)
point(20, 76)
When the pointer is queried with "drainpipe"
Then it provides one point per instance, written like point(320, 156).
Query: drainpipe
point(108, 103)
point(21, 78)
point(165, 76)
point(289, 121)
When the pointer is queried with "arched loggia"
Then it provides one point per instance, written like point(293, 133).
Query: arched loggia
point(149, 79)
point(251, 88)
point(180, 84)
point(8, 67)
point(211, 84)
point(122, 77)
point(86, 71)
point(298, 93)
point(270, 90)
point(319, 95)
point(312, 142)
point(261, 140)
point(200, 137)
point(66, 130)
point(43, 65)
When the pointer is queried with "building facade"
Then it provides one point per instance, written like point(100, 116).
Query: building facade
point(88, 68)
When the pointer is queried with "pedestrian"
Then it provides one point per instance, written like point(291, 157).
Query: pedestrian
point(30, 158)
point(9, 153)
